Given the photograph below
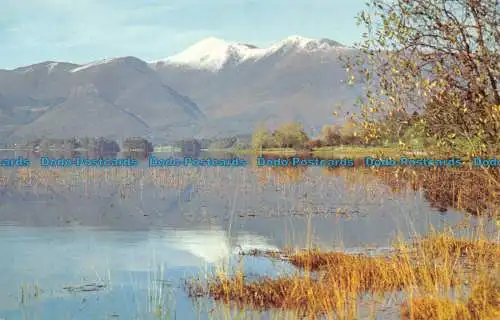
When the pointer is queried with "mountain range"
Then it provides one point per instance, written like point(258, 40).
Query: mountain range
point(213, 88)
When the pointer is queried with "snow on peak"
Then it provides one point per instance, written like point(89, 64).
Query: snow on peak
point(304, 43)
point(124, 60)
point(92, 64)
point(297, 39)
point(214, 53)
point(50, 66)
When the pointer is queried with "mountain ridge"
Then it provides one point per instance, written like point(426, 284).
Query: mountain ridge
point(214, 53)
point(295, 79)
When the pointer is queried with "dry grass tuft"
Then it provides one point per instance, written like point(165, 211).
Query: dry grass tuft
point(334, 282)
point(361, 273)
point(444, 245)
point(470, 189)
point(483, 304)
point(434, 308)
point(303, 294)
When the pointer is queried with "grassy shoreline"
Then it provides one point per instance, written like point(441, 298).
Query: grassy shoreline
point(325, 151)
point(330, 284)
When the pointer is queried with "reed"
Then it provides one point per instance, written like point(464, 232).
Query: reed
point(427, 272)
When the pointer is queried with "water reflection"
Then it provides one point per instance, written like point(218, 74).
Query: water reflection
point(143, 198)
point(126, 226)
point(280, 175)
point(55, 258)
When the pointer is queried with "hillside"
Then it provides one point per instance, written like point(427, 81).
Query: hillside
point(214, 88)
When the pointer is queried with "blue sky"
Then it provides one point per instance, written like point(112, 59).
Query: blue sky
point(80, 31)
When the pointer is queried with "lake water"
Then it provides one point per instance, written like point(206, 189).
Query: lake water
point(119, 245)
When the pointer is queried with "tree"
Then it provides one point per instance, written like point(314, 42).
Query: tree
point(350, 128)
point(261, 137)
point(70, 144)
point(291, 135)
point(331, 135)
point(437, 56)
point(137, 144)
point(105, 146)
point(314, 144)
point(44, 145)
point(84, 142)
point(393, 126)
point(348, 133)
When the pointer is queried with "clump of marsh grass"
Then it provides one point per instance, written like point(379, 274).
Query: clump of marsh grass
point(472, 190)
point(434, 308)
point(483, 304)
point(443, 245)
point(334, 282)
point(336, 286)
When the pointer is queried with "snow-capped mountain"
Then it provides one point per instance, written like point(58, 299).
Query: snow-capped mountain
point(114, 97)
point(214, 87)
point(295, 79)
point(214, 54)
point(304, 44)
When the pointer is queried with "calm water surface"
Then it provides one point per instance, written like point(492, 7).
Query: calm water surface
point(120, 247)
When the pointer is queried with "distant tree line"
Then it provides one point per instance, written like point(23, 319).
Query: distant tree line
point(241, 141)
point(336, 135)
point(399, 128)
point(290, 135)
point(395, 128)
point(96, 145)
point(137, 144)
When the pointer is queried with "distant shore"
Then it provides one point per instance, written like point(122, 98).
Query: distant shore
point(355, 151)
